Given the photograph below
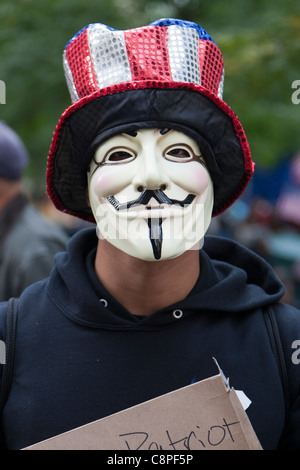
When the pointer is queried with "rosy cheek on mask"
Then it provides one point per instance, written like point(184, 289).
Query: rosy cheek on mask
point(108, 181)
point(193, 177)
point(101, 184)
point(200, 179)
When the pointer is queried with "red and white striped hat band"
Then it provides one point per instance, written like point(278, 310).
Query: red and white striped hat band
point(167, 50)
point(167, 74)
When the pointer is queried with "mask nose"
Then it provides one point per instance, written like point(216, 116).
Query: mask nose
point(150, 173)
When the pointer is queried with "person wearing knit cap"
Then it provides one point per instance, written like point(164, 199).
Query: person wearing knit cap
point(138, 306)
point(28, 242)
point(13, 154)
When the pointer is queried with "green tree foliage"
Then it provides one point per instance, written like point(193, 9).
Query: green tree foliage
point(259, 39)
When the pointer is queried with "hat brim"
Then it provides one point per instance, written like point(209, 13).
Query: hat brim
point(186, 107)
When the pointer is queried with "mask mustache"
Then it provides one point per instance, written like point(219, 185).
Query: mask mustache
point(145, 197)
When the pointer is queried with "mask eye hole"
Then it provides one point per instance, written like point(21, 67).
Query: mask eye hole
point(118, 155)
point(114, 156)
point(179, 153)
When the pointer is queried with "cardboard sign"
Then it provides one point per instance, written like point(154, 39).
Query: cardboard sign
point(207, 415)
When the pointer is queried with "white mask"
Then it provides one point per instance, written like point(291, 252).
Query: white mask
point(150, 193)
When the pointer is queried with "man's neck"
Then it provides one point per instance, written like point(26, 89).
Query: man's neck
point(143, 287)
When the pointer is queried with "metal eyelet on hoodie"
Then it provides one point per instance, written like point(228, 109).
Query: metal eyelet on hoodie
point(104, 302)
point(177, 314)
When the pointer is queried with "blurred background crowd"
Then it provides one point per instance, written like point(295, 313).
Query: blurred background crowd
point(267, 220)
point(260, 42)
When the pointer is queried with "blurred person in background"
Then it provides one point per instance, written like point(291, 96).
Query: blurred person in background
point(28, 242)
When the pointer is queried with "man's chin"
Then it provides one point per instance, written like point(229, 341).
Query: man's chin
point(144, 250)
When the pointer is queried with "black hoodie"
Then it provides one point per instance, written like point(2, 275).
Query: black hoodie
point(81, 356)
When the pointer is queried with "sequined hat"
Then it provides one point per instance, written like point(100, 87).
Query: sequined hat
point(167, 74)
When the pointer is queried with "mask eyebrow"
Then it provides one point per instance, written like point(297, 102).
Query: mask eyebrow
point(132, 133)
point(164, 131)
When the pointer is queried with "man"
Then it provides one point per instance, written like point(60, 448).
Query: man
point(28, 242)
point(150, 151)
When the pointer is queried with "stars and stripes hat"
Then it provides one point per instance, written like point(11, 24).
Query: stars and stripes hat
point(168, 74)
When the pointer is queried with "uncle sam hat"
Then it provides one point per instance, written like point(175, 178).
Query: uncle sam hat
point(168, 74)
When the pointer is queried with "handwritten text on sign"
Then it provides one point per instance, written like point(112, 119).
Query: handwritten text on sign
point(194, 440)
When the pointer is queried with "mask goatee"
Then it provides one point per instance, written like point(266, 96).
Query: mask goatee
point(156, 236)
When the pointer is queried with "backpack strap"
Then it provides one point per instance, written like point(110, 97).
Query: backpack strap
point(277, 349)
point(11, 322)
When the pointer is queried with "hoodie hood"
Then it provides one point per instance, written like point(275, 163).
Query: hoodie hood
point(232, 279)
point(244, 280)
